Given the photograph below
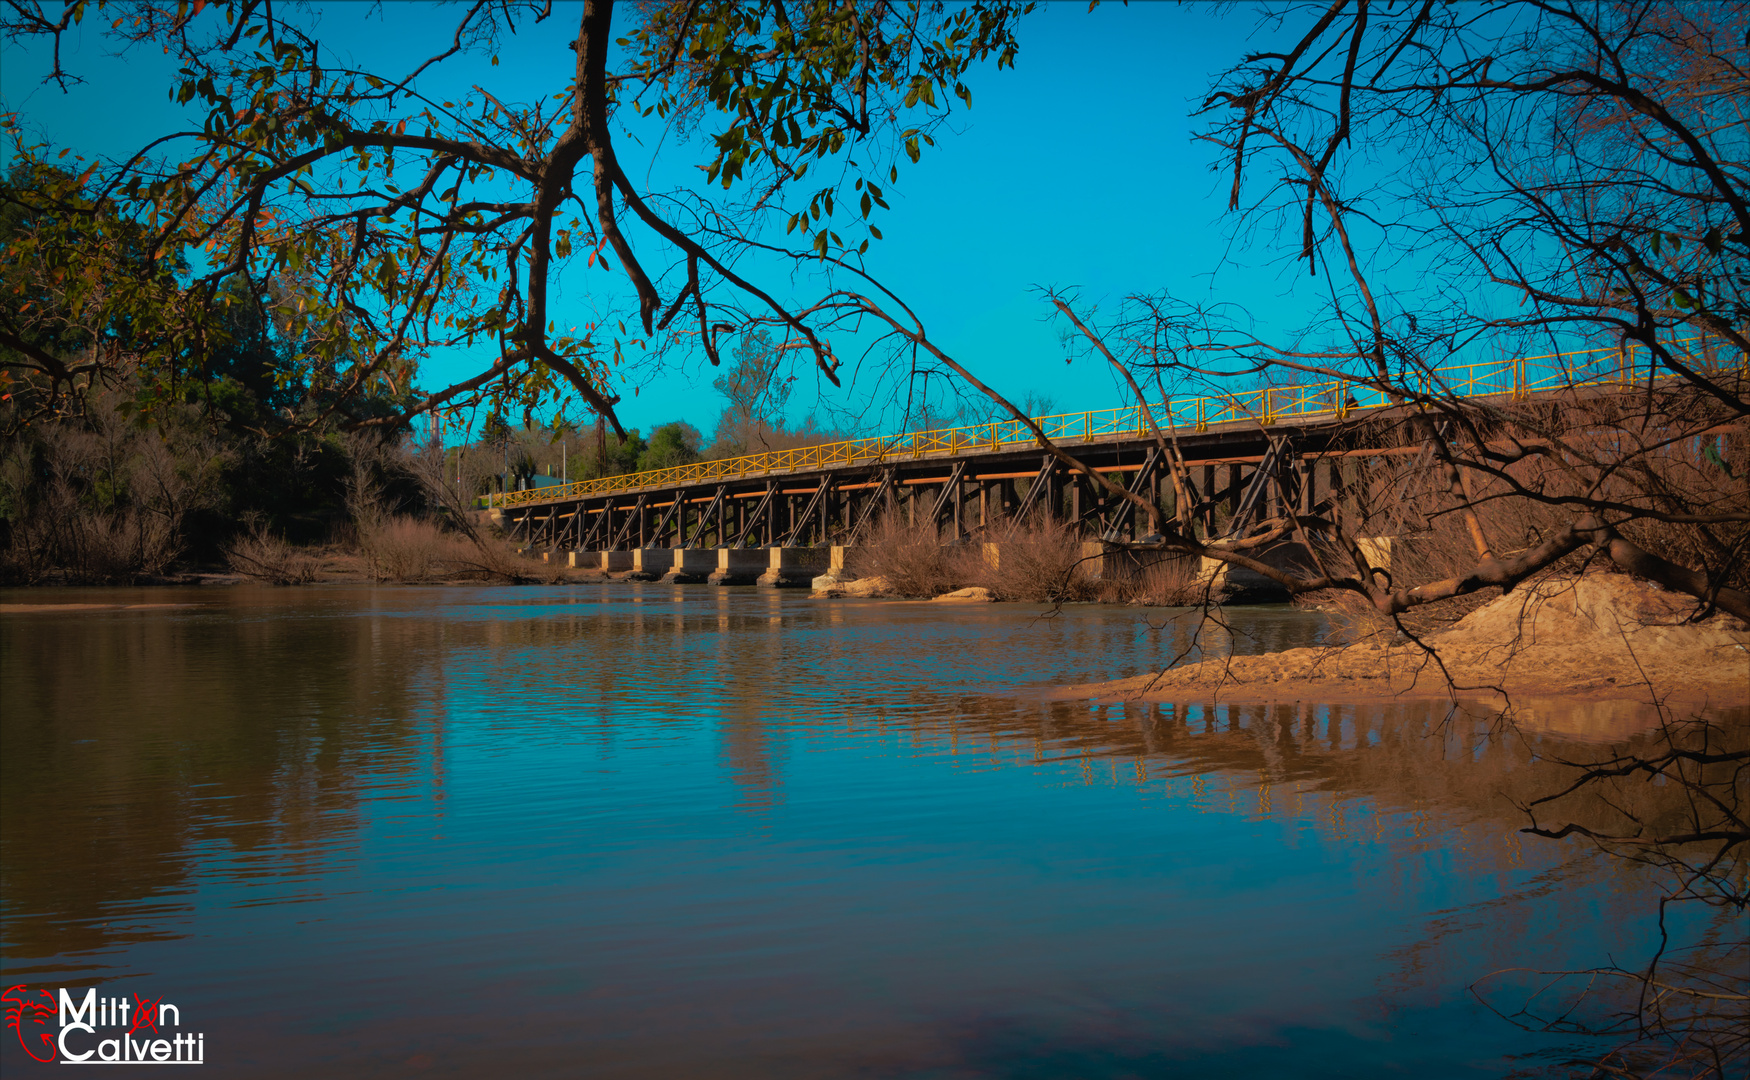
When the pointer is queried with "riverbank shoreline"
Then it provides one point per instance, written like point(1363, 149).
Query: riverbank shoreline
point(1593, 640)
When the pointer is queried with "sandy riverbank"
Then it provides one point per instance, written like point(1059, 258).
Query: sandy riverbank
point(1602, 637)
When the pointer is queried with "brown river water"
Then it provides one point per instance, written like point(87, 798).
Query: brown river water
point(652, 831)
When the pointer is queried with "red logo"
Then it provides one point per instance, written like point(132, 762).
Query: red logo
point(32, 1015)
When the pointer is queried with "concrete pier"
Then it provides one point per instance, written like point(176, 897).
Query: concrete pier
point(794, 567)
point(1106, 561)
point(1242, 585)
point(691, 566)
point(771, 567)
point(649, 564)
point(836, 573)
point(740, 566)
point(616, 562)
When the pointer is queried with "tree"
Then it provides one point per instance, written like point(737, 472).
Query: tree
point(756, 393)
point(671, 444)
point(411, 221)
point(65, 323)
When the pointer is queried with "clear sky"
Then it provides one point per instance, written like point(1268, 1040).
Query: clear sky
point(1076, 169)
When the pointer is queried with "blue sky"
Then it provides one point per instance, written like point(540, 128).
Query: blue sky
point(1077, 169)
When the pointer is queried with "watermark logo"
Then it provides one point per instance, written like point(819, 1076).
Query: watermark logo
point(84, 1029)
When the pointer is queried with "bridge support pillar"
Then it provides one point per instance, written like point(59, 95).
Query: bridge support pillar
point(835, 568)
point(691, 566)
point(1105, 561)
point(616, 562)
point(649, 564)
point(794, 567)
point(1245, 586)
point(740, 566)
point(1377, 550)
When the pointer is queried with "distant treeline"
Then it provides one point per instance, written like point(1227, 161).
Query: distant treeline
point(754, 421)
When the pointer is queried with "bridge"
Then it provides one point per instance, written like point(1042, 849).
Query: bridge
point(783, 516)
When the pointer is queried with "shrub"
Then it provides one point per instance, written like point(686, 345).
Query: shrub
point(1160, 580)
point(262, 557)
point(1036, 562)
point(913, 559)
point(402, 548)
point(100, 500)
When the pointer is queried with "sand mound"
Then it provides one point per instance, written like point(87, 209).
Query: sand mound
point(1599, 635)
point(1607, 611)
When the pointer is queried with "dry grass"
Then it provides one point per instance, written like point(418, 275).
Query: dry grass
point(101, 500)
point(401, 548)
point(1159, 581)
point(913, 559)
point(1037, 563)
point(407, 549)
point(265, 558)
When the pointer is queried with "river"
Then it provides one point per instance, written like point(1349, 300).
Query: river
point(652, 831)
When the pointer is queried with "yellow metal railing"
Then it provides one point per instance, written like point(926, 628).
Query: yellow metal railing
point(1518, 377)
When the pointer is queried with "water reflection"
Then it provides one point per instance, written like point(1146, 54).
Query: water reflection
point(731, 832)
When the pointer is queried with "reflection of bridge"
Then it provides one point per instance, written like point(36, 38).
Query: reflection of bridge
point(1249, 455)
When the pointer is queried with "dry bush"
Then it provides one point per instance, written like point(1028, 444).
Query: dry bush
point(406, 549)
point(1641, 456)
point(401, 548)
point(913, 559)
point(1352, 619)
point(470, 551)
point(450, 483)
point(1703, 475)
point(89, 547)
point(1169, 581)
point(1036, 562)
point(95, 499)
point(262, 557)
point(486, 558)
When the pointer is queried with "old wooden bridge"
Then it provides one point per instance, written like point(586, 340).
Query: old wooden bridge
point(779, 517)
